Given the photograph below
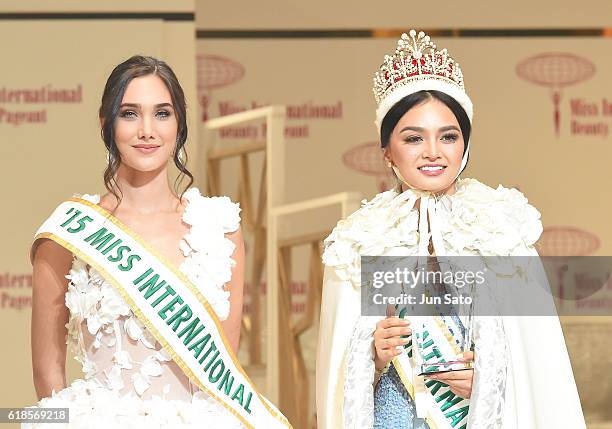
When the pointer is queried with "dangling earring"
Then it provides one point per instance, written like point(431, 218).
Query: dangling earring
point(398, 182)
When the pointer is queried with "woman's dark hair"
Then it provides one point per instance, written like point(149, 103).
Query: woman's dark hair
point(112, 96)
point(405, 104)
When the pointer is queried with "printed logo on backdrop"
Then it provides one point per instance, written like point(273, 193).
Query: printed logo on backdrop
point(562, 244)
point(559, 70)
point(15, 291)
point(567, 241)
point(367, 158)
point(29, 105)
point(216, 71)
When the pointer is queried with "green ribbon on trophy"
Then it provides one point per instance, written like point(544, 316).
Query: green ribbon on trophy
point(166, 302)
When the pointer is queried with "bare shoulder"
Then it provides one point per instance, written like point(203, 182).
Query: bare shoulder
point(236, 237)
point(108, 202)
point(46, 250)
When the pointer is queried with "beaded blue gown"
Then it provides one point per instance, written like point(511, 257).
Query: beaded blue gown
point(393, 406)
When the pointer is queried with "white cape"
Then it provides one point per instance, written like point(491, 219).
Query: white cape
point(523, 377)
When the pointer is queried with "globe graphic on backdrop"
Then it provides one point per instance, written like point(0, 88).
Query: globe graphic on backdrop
point(367, 158)
point(555, 70)
point(215, 71)
point(566, 241)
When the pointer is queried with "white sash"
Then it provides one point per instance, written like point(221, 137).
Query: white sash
point(166, 302)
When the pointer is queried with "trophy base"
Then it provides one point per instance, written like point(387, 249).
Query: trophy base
point(439, 367)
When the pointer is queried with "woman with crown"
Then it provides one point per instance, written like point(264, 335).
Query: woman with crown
point(370, 369)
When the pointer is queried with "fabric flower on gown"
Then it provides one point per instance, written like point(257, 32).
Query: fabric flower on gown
point(206, 248)
point(92, 198)
point(384, 226)
point(137, 331)
point(82, 297)
point(93, 406)
point(149, 368)
point(488, 221)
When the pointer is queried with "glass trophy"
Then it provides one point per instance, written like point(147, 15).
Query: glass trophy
point(453, 322)
point(445, 363)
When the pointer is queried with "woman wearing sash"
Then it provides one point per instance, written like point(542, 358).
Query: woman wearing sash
point(368, 374)
point(114, 311)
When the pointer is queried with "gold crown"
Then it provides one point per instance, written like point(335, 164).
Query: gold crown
point(415, 59)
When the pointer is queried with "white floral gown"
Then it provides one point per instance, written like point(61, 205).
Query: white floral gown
point(129, 380)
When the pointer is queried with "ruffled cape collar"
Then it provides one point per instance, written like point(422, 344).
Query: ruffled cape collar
point(475, 220)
